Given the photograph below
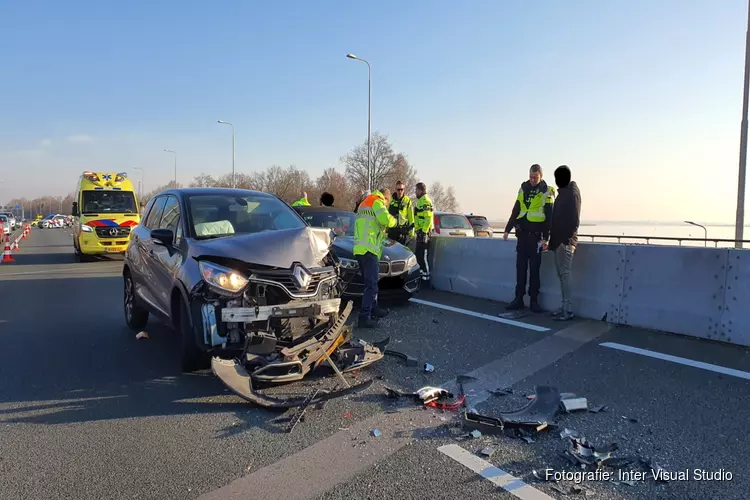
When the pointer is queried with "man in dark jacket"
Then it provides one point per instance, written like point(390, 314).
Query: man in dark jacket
point(530, 217)
point(566, 217)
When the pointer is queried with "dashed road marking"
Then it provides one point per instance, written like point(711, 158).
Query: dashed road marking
point(495, 475)
point(676, 359)
point(467, 312)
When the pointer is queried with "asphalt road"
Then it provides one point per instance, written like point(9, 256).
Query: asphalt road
point(89, 412)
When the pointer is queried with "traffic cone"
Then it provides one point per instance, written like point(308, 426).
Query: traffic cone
point(15, 246)
point(25, 232)
point(7, 256)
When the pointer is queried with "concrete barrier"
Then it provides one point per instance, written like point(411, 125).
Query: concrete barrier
point(702, 292)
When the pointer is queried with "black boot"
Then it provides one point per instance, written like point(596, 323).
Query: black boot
point(535, 306)
point(516, 305)
point(379, 313)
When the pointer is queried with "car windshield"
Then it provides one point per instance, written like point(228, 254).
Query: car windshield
point(217, 215)
point(3, 218)
point(117, 202)
point(342, 223)
point(454, 221)
point(479, 221)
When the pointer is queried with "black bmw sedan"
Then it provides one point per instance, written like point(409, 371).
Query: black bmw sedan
point(399, 271)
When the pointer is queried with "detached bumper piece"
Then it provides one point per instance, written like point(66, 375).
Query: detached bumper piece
point(336, 342)
point(537, 414)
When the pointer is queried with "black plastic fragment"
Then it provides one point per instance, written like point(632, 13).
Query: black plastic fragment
point(410, 361)
point(301, 411)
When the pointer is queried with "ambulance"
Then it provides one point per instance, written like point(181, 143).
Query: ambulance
point(105, 211)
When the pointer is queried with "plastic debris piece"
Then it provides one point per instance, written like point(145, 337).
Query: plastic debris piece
point(376, 432)
point(575, 404)
point(347, 415)
point(630, 419)
point(566, 433)
point(597, 409)
point(410, 361)
point(488, 451)
point(585, 453)
point(300, 415)
point(563, 395)
point(527, 439)
point(428, 367)
point(142, 335)
point(428, 394)
point(501, 392)
point(475, 434)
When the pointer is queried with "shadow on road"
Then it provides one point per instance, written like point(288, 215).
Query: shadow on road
point(35, 259)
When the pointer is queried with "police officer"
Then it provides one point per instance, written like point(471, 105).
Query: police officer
point(302, 202)
point(530, 217)
point(402, 209)
point(370, 226)
point(423, 223)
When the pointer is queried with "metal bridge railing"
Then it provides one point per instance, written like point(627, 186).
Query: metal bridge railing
point(648, 239)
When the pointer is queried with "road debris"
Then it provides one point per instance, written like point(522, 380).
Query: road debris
point(576, 404)
point(538, 413)
point(428, 367)
point(566, 433)
point(585, 453)
point(142, 335)
point(408, 360)
point(297, 417)
point(475, 434)
point(376, 432)
point(597, 409)
point(488, 451)
point(630, 419)
point(501, 392)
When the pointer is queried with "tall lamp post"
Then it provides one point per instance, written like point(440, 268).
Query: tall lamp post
point(705, 232)
point(369, 117)
point(140, 188)
point(234, 182)
point(175, 165)
point(739, 226)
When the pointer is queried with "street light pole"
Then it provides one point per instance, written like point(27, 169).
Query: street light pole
point(705, 232)
point(234, 182)
point(369, 117)
point(140, 188)
point(739, 226)
point(175, 165)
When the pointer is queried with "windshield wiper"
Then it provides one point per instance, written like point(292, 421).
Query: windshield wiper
point(212, 236)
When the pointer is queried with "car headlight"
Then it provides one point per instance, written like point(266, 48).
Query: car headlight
point(349, 263)
point(87, 229)
point(411, 261)
point(222, 279)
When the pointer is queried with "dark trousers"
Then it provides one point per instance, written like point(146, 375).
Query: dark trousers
point(422, 258)
point(369, 268)
point(528, 259)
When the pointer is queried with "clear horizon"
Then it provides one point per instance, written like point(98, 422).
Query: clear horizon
point(642, 100)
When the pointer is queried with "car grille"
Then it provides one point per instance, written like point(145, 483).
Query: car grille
point(106, 232)
point(286, 280)
point(391, 267)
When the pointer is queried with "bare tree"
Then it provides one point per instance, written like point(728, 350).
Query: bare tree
point(443, 199)
point(170, 185)
point(203, 180)
point(403, 171)
point(335, 182)
point(383, 163)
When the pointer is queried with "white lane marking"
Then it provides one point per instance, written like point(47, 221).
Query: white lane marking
point(678, 360)
point(496, 319)
point(495, 475)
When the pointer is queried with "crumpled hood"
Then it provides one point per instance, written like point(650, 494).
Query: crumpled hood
point(281, 249)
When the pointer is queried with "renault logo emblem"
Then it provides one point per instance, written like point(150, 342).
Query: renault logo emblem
point(302, 277)
point(113, 231)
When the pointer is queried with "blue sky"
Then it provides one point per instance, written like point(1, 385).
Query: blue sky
point(641, 99)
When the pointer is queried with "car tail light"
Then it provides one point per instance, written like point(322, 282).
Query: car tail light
point(436, 219)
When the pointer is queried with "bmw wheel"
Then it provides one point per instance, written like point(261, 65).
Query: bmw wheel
point(135, 316)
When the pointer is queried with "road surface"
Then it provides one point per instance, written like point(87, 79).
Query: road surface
point(89, 412)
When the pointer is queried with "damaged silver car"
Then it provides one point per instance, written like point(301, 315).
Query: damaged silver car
point(248, 286)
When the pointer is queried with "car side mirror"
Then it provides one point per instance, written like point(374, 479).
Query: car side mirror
point(163, 236)
point(74, 212)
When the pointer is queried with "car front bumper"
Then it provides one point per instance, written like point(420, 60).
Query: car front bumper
point(91, 244)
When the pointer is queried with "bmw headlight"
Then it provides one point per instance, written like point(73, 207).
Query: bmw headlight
point(87, 229)
point(411, 261)
point(222, 279)
point(349, 264)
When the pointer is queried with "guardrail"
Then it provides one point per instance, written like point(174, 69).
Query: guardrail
point(701, 292)
point(648, 239)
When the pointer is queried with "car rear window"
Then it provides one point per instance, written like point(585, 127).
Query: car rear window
point(453, 221)
point(479, 221)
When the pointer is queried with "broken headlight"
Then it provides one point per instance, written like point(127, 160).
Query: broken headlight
point(349, 263)
point(411, 262)
point(222, 279)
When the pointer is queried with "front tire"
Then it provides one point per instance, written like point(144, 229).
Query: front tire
point(135, 316)
point(191, 357)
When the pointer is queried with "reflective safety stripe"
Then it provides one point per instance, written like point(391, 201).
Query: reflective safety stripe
point(535, 213)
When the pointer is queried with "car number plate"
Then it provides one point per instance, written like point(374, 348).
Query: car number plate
point(114, 249)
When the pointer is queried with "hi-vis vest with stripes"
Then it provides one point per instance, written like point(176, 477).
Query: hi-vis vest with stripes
point(371, 224)
point(535, 211)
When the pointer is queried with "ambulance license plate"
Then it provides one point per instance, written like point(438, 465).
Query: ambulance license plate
point(114, 249)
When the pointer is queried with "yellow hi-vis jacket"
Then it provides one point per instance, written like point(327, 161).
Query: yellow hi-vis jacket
point(403, 211)
point(423, 215)
point(371, 224)
point(302, 202)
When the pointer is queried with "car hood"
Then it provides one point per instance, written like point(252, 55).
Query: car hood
point(282, 248)
point(343, 246)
